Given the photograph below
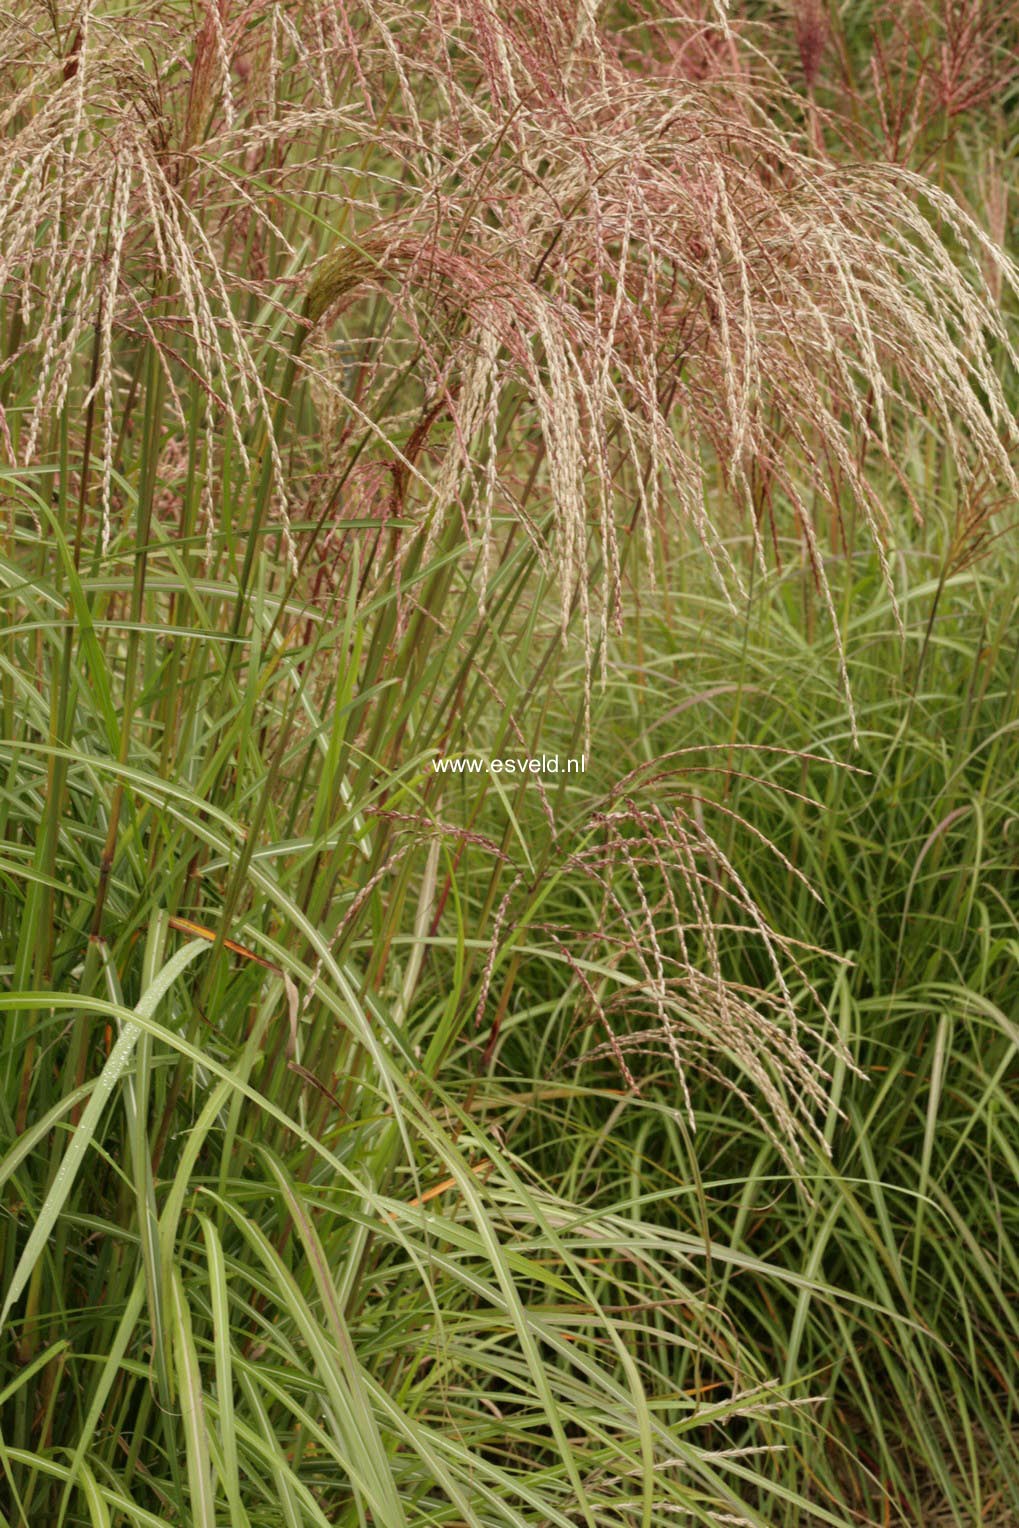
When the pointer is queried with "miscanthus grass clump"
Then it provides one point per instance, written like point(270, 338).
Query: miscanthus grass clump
point(376, 382)
point(561, 276)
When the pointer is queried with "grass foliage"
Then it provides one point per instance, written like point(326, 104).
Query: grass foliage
point(389, 1146)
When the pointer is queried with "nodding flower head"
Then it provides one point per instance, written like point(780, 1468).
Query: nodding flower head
point(338, 274)
point(811, 38)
